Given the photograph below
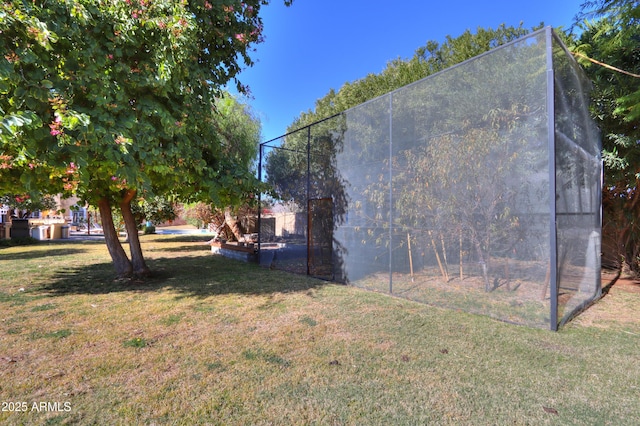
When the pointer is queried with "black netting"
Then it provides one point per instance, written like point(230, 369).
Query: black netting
point(477, 188)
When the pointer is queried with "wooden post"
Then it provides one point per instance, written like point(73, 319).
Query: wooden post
point(461, 254)
point(410, 257)
point(435, 250)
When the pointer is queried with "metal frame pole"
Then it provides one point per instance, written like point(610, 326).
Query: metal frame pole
point(308, 200)
point(390, 193)
point(553, 224)
point(260, 205)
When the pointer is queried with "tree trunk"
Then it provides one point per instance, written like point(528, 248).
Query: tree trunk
point(140, 268)
point(232, 223)
point(120, 260)
point(444, 256)
point(484, 263)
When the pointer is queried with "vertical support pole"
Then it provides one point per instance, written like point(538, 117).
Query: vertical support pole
point(553, 224)
point(599, 223)
point(391, 193)
point(261, 147)
point(410, 255)
point(308, 199)
point(309, 238)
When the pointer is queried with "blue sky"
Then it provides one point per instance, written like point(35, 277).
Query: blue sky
point(316, 45)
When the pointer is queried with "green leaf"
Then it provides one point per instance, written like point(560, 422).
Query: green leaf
point(17, 120)
point(5, 129)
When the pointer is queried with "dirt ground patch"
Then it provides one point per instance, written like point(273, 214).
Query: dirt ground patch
point(618, 306)
point(630, 285)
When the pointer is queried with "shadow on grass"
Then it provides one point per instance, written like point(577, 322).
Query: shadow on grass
point(51, 251)
point(176, 238)
point(201, 247)
point(200, 276)
point(195, 242)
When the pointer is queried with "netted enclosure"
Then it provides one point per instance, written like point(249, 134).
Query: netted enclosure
point(477, 188)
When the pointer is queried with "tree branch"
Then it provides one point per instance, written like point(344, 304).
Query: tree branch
point(602, 64)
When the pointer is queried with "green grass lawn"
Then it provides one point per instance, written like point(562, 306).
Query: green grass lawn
point(209, 340)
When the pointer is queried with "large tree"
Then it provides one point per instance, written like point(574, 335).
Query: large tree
point(112, 100)
point(240, 135)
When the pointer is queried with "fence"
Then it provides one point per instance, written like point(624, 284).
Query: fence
point(477, 188)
